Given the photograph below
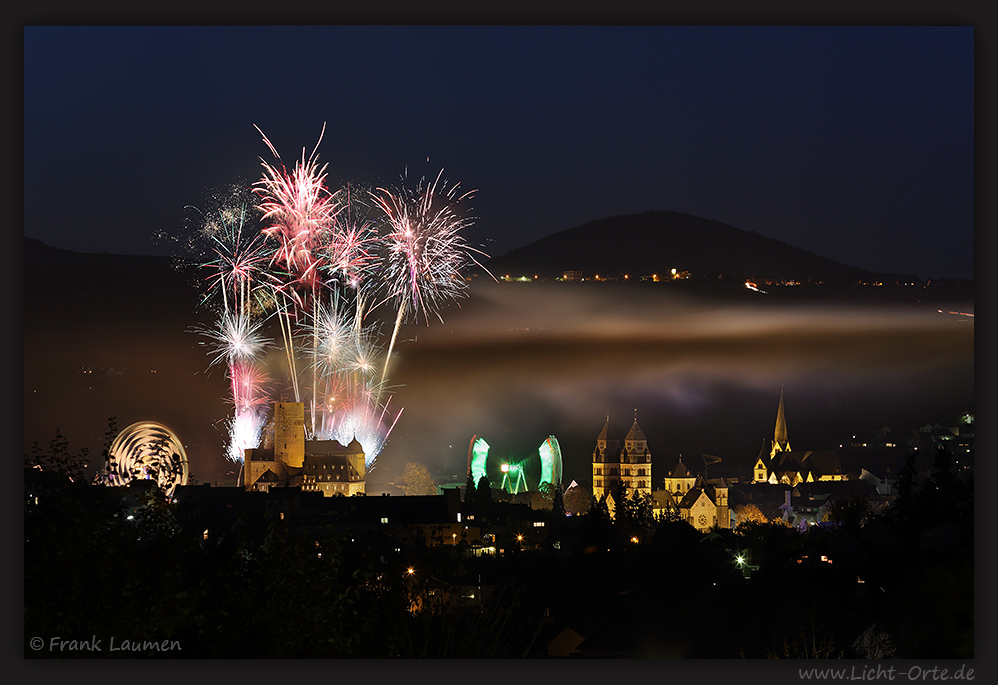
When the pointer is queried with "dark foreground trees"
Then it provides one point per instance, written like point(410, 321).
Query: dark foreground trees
point(100, 563)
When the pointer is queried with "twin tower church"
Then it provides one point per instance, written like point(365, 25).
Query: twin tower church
point(623, 470)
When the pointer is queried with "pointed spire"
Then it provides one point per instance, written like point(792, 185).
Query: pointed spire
point(607, 432)
point(780, 440)
point(635, 433)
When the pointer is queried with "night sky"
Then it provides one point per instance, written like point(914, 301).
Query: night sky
point(856, 143)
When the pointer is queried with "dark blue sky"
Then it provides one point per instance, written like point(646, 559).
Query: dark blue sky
point(856, 143)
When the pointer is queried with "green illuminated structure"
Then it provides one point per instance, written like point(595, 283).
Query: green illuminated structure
point(478, 454)
point(512, 479)
point(550, 454)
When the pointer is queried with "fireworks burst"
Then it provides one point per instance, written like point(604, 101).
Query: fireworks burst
point(239, 259)
point(298, 211)
point(425, 250)
point(317, 265)
point(238, 337)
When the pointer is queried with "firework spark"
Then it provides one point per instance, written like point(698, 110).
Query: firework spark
point(239, 259)
point(425, 249)
point(298, 210)
point(238, 337)
point(317, 263)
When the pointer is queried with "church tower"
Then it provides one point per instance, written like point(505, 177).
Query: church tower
point(606, 462)
point(781, 443)
point(762, 471)
point(635, 461)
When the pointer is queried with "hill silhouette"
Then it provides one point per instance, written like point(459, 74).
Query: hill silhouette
point(655, 242)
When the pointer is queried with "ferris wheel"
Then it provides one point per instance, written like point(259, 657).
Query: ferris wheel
point(147, 451)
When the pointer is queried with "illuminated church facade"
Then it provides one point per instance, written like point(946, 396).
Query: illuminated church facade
point(624, 469)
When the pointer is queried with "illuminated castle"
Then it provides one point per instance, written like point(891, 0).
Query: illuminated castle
point(286, 458)
point(624, 470)
point(778, 464)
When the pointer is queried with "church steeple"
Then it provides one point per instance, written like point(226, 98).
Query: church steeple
point(635, 433)
point(781, 443)
point(607, 442)
point(606, 461)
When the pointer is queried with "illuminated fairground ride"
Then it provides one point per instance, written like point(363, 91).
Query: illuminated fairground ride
point(513, 480)
point(147, 451)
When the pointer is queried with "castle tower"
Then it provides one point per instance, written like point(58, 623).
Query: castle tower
point(282, 446)
point(635, 461)
point(289, 433)
point(606, 461)
point(358, 460)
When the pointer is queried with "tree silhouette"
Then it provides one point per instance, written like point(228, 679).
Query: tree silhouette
point(415, 480)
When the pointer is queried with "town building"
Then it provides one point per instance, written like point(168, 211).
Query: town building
point(681, 480)
point(705, 505)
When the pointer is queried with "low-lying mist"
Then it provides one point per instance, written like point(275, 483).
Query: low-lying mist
point(519, 362)
point(514, 363)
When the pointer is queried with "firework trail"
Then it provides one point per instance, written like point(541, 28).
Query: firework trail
point(425, 251)
point(238, 258)
point(318, 264)
point(237, 261)
point(344, 370)
point(245, 429)
point(348, 257)
point(298, 211)
point(238, 342)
